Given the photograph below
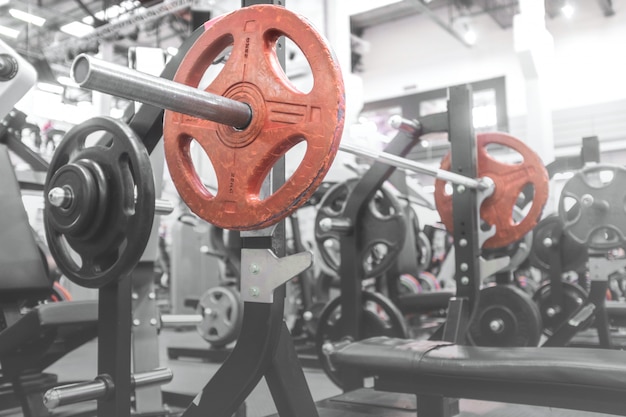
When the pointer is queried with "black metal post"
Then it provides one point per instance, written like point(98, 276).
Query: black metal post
point(114, 340)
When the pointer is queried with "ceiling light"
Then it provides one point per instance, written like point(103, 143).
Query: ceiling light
point(50, 88)
point(77, 29)
point(567, 10)
point(27, 17)
point(470, 36)
point(11, 33)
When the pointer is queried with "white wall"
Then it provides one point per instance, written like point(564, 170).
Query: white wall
point(589, 54)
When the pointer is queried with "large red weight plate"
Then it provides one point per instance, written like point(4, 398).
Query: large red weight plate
point(510, 180)
point(282, 117)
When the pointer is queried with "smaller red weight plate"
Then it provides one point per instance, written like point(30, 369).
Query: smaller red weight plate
point(510, 180)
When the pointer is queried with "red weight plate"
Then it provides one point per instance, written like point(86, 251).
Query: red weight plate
point(509, 180)
point(282, 117)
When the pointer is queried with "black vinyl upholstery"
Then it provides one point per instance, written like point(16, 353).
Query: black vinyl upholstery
point(585, 379)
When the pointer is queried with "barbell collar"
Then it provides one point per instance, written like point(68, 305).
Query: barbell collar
point(414, 166)
point(95, 74)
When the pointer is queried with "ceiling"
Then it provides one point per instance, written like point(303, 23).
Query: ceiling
point(166, 23)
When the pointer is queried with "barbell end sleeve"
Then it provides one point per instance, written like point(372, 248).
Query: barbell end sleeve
point(75, 393)
point(96, 74)
point(180, 320)
point(163, 207)
point(155, 377)
point(412, 127)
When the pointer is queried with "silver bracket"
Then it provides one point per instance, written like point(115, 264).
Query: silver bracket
point(262, 272)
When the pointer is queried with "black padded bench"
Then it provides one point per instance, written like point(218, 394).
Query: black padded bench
point(579, 379)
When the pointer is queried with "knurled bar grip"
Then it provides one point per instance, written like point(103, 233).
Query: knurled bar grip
point(95, 74)
point(100, 387)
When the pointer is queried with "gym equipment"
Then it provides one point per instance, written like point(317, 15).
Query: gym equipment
point(17, 76)
point(517, 252)
point(100, 203)
point(383, 229)
point(264, 348)
point(275, 117)
point(553, 313)
point(547, 234)
point(510, 180)
point(34, 334)
point(506, 316)
point(579, 379)
point(592, 206)
point(100, 388)
point(221, 311)
point(380, 317)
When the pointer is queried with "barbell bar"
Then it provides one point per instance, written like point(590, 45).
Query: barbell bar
point(95, 74)
point(63, 196)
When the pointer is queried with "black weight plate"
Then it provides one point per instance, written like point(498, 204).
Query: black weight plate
point(380, 317)
point(574, 255)
point(381, 229)
point(553, 316)
point(592, 206)
point(221, 309)
point(100, 234)
point(505, 317)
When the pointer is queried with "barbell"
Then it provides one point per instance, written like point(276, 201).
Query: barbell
point(251, 115)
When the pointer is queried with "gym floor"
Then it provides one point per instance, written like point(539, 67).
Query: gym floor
point(190, 375)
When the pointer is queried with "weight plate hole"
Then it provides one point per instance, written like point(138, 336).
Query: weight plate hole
point(504, 154)
point(73, 255)
point(217, 65)
point(375, 256)
point(204, 167)
point(293, 159)
point(599, 178)
point(519, 214)
point(572, 208)
point(299, 74)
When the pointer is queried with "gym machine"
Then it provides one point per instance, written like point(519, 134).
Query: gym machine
point(264, 347)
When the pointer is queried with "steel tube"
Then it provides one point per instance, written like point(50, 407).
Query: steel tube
point(155, 377)
point(180, 320)
point(99, 387)
point(63, 197)
point(404, 163)
point(95, 74)
point(124, 82)
point(163, 207)
point(75, 393)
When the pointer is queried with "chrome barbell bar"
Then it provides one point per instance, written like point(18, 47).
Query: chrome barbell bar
point(92, 73)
